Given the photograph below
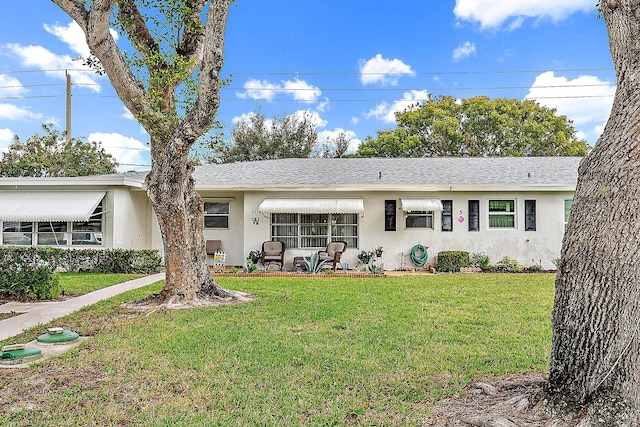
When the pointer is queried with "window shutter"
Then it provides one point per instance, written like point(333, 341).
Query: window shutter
point(529, 215)
point(389, 215)
point(447, 215)
point(474, 215)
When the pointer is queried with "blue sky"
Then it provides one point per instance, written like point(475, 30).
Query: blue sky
point(349, 63)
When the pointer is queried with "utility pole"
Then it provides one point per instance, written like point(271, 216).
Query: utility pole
point(68, 110)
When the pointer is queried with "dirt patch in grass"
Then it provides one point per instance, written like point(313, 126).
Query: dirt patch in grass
point(155, 302)
point(501, 402)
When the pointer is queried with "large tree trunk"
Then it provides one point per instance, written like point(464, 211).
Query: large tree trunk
point(179, 210)
point(596, 317)
point(153, 100)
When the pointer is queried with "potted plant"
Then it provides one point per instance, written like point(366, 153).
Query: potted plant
point(254, 257)
point(365, 257)
point(378, 251)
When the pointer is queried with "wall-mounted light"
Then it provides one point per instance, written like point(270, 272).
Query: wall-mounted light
point(255, 217)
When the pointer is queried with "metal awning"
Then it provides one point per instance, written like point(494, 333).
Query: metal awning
point(420, 205)
point(312, 206)
point(48, 205)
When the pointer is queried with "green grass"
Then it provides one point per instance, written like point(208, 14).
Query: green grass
point(8, 315)
point(76, 284)
point(306, 351)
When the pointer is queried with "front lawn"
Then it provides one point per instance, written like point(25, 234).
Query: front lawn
point(306, 351)
point(76, 284)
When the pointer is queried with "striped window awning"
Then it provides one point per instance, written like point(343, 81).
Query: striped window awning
point(48, 205)
point(312, 206)
point(421, 205)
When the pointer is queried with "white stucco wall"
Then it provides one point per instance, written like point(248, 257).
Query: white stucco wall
point(129, 219)
point(528, 247)
point(132, 224)
point(232, 237)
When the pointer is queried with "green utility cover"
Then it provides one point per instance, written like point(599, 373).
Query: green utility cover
point(66, 336)
point(19, 354)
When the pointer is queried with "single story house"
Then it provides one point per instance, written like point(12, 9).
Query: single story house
point(505, 206)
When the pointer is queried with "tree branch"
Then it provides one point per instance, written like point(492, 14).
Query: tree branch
point(133, 23)
point(199, 119)
point(75, 10)
point(192, 35)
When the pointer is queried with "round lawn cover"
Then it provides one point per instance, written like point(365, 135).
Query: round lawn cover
point(13, 356)
point(66, 336)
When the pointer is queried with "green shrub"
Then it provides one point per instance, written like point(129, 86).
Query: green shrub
point(39, 282)
point(254, 257)
point(482, 261)
point(452, 261)
point(28, 272)
point(509, 265)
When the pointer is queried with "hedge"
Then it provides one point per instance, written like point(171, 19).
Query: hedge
point(452, 261)
point(29, 272)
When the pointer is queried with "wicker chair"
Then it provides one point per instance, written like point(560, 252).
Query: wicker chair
point(272, 252)
point(333, 253)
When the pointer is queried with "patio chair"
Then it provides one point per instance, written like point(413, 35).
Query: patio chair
point(272, 253)
point(333, 253)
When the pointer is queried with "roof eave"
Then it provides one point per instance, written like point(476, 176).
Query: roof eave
point(394, 187)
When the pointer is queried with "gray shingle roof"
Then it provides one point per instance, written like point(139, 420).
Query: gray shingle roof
point(393, 172)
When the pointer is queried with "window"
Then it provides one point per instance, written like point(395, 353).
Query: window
point(216, 215)
point(447, 215)
point(52, 233)
point(474, 215)
point(314, 230)
point(567, 209)
point(55, 233)
point(529, 215)
point(419, 219)
point(17, 233)
point(502, 214)
point(86, 233)
point(389, 215)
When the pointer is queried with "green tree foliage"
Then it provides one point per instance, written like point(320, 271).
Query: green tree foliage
point(476, 127)
point(289, 136)
point(52, 155)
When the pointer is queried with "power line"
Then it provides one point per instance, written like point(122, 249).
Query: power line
point(350, 73)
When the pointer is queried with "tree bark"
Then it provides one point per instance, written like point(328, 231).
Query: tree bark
point(179, 210)
point(170, 185)
point(596, 316)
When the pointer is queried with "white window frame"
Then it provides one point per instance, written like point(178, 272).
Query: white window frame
point(492, 214)
point(429, 220)
point(327, 222)
point(206, 215)
point(566, 211)
point(94, 238)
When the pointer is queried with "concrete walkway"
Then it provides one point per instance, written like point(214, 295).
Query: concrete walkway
point(43, 312)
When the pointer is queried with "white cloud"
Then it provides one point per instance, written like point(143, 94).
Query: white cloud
point(331, 135)
point(497, 13)
point(387, 112)
point(383, 71)
point(314, 117)
point(463, 51)
point(44, 59)
point(13, 112)
point(586, 100)
point(10, 87)
point(298, 89)
point(6, 139)
point(130, 153)
point(72, 35)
